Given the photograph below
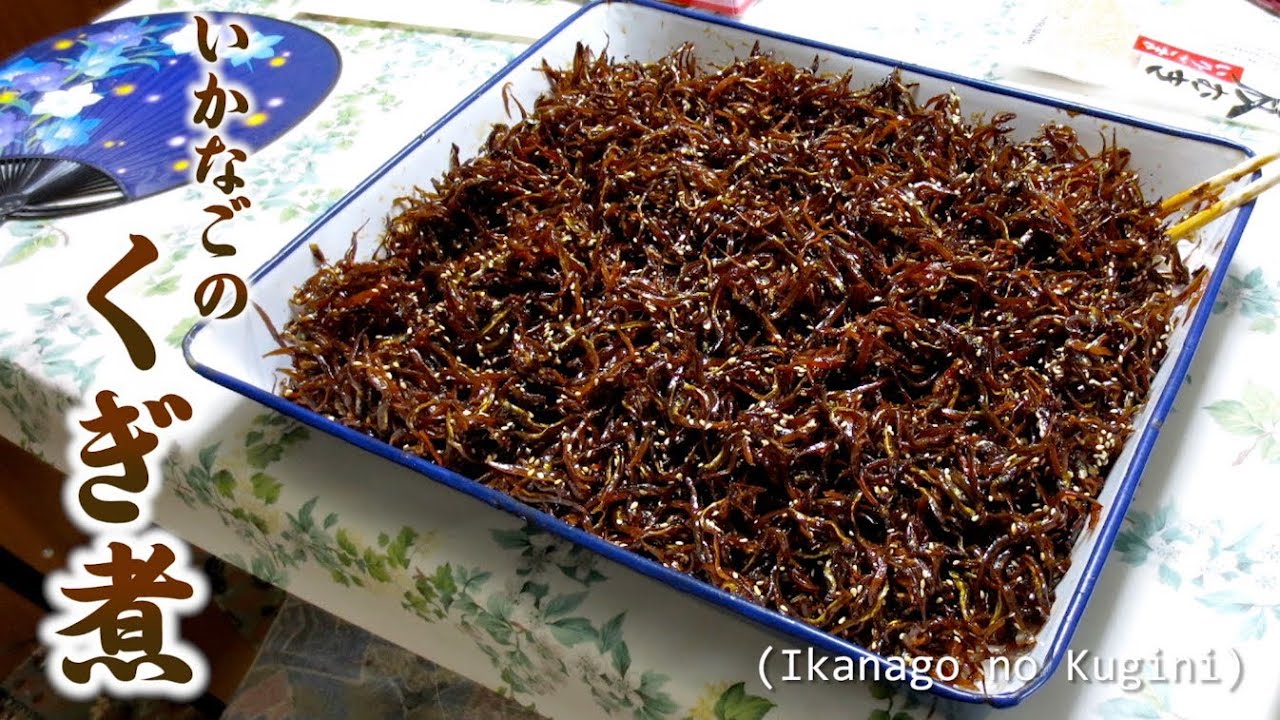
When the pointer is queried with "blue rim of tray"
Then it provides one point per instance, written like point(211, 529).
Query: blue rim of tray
point(1144, 441)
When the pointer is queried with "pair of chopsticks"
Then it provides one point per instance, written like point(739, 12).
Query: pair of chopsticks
point(1222, 206)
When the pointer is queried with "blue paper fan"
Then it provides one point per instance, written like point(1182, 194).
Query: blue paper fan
point(102, 115)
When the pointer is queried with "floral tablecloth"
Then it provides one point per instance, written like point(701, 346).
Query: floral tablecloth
point(1196, 568)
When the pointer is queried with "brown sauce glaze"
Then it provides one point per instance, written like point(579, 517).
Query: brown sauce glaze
point(853, 358)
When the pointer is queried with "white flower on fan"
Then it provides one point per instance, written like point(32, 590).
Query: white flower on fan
point(257, 47)
point(66, 103)
point(183, 40)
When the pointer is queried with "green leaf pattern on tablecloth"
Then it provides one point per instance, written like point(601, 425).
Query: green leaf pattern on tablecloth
point(164, 277)
point(1254, 297)
point(532, 629)
point(32, 237)
point(538, 553)
point(1254, 416)
point(1234, 573)
point(60, 326)
point(286, 181)
point(30, 403)
point(179, 330)
point(1152, 702)
point(725, 701)
point(260, 7)
point(898, 703)
point(237, 483)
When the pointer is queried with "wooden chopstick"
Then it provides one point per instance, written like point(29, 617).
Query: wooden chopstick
point(1219, 181)
point(1186, 226)
point(1222, 206)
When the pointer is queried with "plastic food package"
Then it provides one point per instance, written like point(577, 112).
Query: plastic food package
point(724, 7)
point(1211, 58)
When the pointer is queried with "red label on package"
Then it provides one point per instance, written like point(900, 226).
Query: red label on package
point(1186, 58)
point(726, 7)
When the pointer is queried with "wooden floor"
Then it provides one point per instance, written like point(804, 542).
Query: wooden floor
point(34, 529)
point(17, 630)
point(26, 22)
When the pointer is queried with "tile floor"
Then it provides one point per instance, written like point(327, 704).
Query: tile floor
point(313, 666)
